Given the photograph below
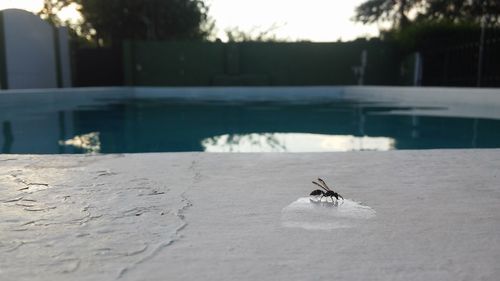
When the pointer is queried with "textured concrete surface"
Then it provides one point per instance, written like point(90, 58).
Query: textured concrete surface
point(408, 215)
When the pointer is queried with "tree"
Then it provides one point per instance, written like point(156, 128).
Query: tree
point(253, 35)
point(110, 22)
point(463, 11)
point(394, 11)
point(51, 8)
point(117, 20)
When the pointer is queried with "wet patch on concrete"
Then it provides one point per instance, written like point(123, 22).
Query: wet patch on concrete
point(310, 215)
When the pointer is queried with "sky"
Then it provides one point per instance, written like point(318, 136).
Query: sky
point(312, 20)
point(315, 20)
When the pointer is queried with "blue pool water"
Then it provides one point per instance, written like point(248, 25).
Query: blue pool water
point(173, 125)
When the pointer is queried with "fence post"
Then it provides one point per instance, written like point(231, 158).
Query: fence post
point(481, 48)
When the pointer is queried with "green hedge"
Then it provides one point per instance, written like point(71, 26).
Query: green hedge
point(257, 63)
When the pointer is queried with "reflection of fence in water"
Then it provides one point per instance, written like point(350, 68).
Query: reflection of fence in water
point(7, 136)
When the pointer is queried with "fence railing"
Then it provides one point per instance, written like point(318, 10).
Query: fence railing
point(462, 65)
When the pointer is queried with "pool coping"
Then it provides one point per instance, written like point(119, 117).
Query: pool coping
point(461, 102)
point(185, 216)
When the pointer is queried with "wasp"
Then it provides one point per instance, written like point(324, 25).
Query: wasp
point(326, 193)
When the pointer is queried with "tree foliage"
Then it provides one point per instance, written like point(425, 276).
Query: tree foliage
point(51, 8)
point(429, 34)
point(397, 11)
point(394, 11)
point(112, 21)
point(462, 11)
point(116, 20)
point(254, 35)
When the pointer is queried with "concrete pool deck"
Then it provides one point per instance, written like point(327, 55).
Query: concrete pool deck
point(437, 101)
point(408, 215)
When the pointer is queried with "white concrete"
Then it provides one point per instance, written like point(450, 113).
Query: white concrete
point(458, 102)
point(432, 215)
point(453, 102)
point(31, 101)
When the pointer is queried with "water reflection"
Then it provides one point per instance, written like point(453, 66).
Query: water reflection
point(294, 142)
point(8, 137)
point(88, 143)
point(156, 125)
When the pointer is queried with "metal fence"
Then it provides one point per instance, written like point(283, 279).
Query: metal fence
point(466, 64)
point(97, 67)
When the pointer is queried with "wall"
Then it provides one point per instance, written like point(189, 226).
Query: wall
point(30, 52)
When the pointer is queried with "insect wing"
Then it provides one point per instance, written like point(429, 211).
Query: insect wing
point(323, 184)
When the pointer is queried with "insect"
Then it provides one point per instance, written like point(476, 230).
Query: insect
point(327, 193)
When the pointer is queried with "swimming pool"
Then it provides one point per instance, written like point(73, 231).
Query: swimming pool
point(300, 119)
